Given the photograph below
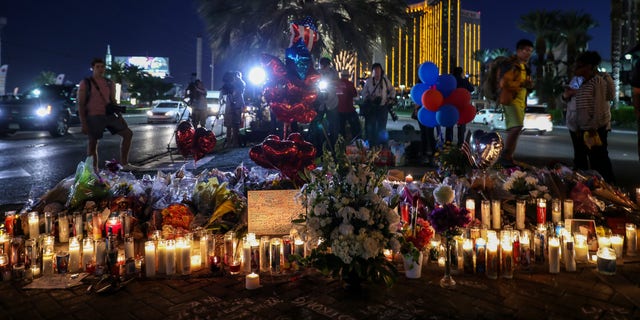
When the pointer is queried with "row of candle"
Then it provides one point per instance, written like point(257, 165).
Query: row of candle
point(491, 211)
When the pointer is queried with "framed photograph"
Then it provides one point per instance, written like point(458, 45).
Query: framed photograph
point(585, 227)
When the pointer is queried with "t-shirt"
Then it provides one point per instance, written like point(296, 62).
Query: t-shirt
point(346, 91)
point(98, 99)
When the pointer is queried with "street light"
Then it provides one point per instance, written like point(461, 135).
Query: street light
point(3, 22)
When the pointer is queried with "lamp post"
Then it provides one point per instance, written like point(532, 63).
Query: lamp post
point(627, 80)
point(3, 22)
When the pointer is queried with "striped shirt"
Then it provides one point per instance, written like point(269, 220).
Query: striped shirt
point(592, 103)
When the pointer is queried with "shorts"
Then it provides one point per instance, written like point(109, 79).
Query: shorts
point(513, 116)
point(97, 124)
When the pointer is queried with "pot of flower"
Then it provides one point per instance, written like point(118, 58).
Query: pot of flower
point(416, 236)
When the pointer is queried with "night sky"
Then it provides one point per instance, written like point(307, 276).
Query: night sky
point(63, 36)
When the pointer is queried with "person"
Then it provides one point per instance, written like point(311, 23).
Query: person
point(233, 93)
point(514, 84)
point(579, 153)
point(327, 104)
point(198, 100)
point(378, 94)
point(428, 146)
point(461, 82)
point(94, 94)
point(347, 114)
point(592, 115)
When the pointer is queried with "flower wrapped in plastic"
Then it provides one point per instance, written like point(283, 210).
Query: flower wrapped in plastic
point(416, 238)
point(522, 184)
point(176, 219)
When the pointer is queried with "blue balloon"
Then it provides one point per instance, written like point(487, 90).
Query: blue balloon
point(427, 118)
point(299, 55)
point(416, 92)
point(428, 73)
point(446, 84)
point(447, 115)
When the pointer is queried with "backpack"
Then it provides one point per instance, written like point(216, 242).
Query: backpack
point(497, 68)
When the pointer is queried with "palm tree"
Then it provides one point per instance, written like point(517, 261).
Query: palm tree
point(539, 23)
point(573, 26)
point(616, 46)
point(238, 30)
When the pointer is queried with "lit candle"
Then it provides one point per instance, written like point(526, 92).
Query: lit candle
point(485, 212)
point(87, 252)
point(35, 271)
point(63, 228)
point(101, 251)
point(170, 261)
point(569, 254)
point(196, 262)
point(556, 212)
point(246, 256)
point(441, 262)
point(581, 248)
point(252, 281)
point(34, 225)
point(539, 243)
point(74, 255)
point(183, 256)
point(299, 247)
point(433, 250)
point(96, 223)
point(541, 211)
point(404, 212)
point(606, 261)
point(507, 258)
point(568, 209)
point(47, 263)
point(264, 253)
point(604, 242)
point(493, 263)
point(470, 204)
point(204, 249)
point(78, 226)
point(480, 255)
point(495, 214)
point(275, 255)
point(467, 256)
point(525, 251)
point(554, 255)
point(408, 179)
point(632, 239)
point(161, 252)
point(617, 243)
point(48, 222)
point(229, 247)
point(520, 214)
point(388, 254)
point(113, 225)
point(150, 259)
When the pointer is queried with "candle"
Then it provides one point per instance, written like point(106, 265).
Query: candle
point(101, 251)
point(48, 222)
point(35, 271)
point(196, 262)
point(150, 259)
point(87, 252)
point(556, 212)
point(388, 254)
point(433, 250)
point(604, 242)
point(495, 214)
point(63, 228)
point(287, 250)
point(252, 281)
point(568, 209)
point(467, 256)
point(493, 263)
point(441, 262)
point(470, 204)
point(540, 243)
point(507, 258)
point(246, 256)
point(183, 256)
point(554, 255)
point(170, 260)
point(632, 239)
point(569, 254)
point(161, 252)
point(74, 255)
point(78, 226)
point(113, 225)
point(229, 247)
point(5, 244)
point(606, 261)
point(617, 243)
point(404, 212)
point(125, 218)
point(485, 212)
point(525, 251)
point(275, 255)
point(96, 222)
point(264, 253)
point(9, 218)
point(581, 248)
point(34, 225)
point(204, 249)
point(298, 245)
point(47, 264)
point(408, 178)
point(541, 211)
point(520, 214)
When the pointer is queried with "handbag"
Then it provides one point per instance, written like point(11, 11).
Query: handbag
point(113, 108)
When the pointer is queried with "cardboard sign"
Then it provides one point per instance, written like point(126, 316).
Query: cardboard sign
point(270, 212)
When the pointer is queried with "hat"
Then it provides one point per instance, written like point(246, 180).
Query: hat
point(345, 73)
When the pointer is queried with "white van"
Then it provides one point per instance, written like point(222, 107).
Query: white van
point(213, 103)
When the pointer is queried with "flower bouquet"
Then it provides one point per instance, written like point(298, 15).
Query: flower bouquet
point(347, 210)
point(523, 185)
point(415, 239)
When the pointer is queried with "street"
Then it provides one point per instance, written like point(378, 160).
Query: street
point(35, 161)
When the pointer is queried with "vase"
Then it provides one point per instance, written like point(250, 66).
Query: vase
point(412, 269)
point(351, 281)
point(447, 281)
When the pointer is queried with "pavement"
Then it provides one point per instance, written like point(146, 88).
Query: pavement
point(530, 294)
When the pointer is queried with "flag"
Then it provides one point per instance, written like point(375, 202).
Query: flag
point(3, 78)
point(306, 30)
point(466, 148)
point(60, 79)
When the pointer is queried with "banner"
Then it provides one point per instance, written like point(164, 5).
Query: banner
point(3, 78)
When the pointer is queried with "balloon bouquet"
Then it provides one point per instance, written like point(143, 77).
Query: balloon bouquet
point(290, 92)
point(195, 142)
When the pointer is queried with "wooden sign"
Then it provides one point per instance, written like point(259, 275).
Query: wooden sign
point(270, 212)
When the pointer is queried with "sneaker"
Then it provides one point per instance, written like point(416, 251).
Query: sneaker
point(131, 167)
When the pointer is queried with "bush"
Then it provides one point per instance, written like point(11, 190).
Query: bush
point(623, 117)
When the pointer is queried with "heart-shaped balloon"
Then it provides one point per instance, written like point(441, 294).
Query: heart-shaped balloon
point(289, 156)
point(485, 148)
point(184, 138)
point(204, 141)
point(276, 68)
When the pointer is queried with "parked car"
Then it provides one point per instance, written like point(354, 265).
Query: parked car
point(48, 107)
point(484, 116)
point(169, 111)
point(213, 104)
point(536, 118)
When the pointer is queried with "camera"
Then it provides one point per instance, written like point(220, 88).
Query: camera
point(392, 112)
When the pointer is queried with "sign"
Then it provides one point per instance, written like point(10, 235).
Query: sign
point(154, 66)
point(270, 212)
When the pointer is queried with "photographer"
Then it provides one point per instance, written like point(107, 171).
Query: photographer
point(379, 98)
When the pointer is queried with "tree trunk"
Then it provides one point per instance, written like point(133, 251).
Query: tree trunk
point(616, 47)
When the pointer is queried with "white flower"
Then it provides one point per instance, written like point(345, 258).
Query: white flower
point(443, 194)
point(363, 214)
point(346, 229)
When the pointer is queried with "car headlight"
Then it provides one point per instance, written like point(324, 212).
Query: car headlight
point(149, 113)
point(44, 111)
point(170, 113)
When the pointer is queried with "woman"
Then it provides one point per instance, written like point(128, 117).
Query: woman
point(378, 94)
point(233, 93)
point(590, 122)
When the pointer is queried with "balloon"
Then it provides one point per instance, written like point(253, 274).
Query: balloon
point(259, 157)
point(447, 115)
point(467, 114)
point(428, 73)
point(427, 118)
point(300, 57)
point(274, 66)
point(432, 99)
point(184, 138)
point(459, 97)
point(446, 84)
point(289, 156)
point(304, 30)
point(485, 148)
point(204, 141)
point(417, 91)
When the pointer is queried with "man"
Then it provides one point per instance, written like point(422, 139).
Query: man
point(461, 82)
point(198, 100)
point(377, 94)
point(514, 84)
point(94, 94)
point(326, 105)
point(346, 91)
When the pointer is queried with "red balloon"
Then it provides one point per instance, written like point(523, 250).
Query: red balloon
point(467, 114)
point(184, 138)
point(432, 99)
point(204, 141)
point(274, 65)
point(259, 157)
point(460, 98)
point(289, 156)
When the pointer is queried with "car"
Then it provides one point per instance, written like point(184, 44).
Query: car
point(213, 103)
point(484, 116)
point(169, 111)
point(536, 118)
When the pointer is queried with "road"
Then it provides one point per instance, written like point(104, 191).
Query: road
point(35, 162)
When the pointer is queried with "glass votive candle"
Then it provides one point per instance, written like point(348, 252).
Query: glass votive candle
point(632, 239)
point(604, 242)
point(617, 243)
point(541, 211)
point(606, 261)
point(567, 209)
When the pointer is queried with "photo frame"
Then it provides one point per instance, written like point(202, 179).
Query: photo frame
point(585, 227)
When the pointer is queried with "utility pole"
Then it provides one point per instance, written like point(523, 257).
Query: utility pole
point(199, 58)
point(3, 22)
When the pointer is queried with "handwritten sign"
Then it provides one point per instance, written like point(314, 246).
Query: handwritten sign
point(271, 211)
